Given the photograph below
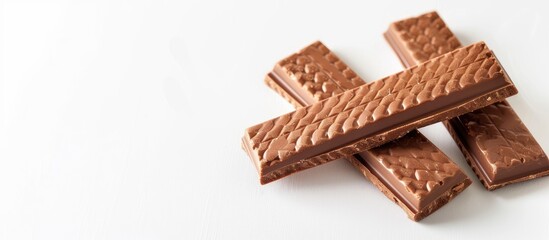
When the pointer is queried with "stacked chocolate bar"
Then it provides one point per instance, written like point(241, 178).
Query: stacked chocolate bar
point(373, 125)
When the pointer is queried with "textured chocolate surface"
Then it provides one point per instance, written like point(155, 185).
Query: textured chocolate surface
point(494, 140)
point(411, 170)
point(416, 172)
point(372, 114)
point(421, 38)
point(316, 74)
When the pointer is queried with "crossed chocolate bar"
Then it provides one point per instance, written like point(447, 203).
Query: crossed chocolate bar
point(411, 171)
point(359, 119)
point(494, 140)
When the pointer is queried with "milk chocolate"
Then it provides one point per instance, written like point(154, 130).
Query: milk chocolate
point(458, 82)
point(494, 140)
point(411, 170)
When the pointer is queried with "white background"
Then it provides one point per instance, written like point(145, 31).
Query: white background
point(122, 120)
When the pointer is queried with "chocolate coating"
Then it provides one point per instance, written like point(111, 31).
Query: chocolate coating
point(411, 170)
point(416, 171)
point(499, 145)
point(494, 140)
point(372, 114)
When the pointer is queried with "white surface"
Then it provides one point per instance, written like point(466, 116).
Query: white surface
point(123, 121)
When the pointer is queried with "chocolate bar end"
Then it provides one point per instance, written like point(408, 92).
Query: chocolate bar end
point(517, 157)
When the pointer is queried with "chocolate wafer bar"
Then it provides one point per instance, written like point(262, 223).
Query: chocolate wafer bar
point(411, 171)
point(494, 140)
point(372, 114)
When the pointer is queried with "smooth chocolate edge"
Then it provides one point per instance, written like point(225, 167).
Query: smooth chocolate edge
point(447, 194)
point(473, 161)
point(442, 200)
point(388, 131)
point(285, 93)
point(397, 49)
point(246, 147)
